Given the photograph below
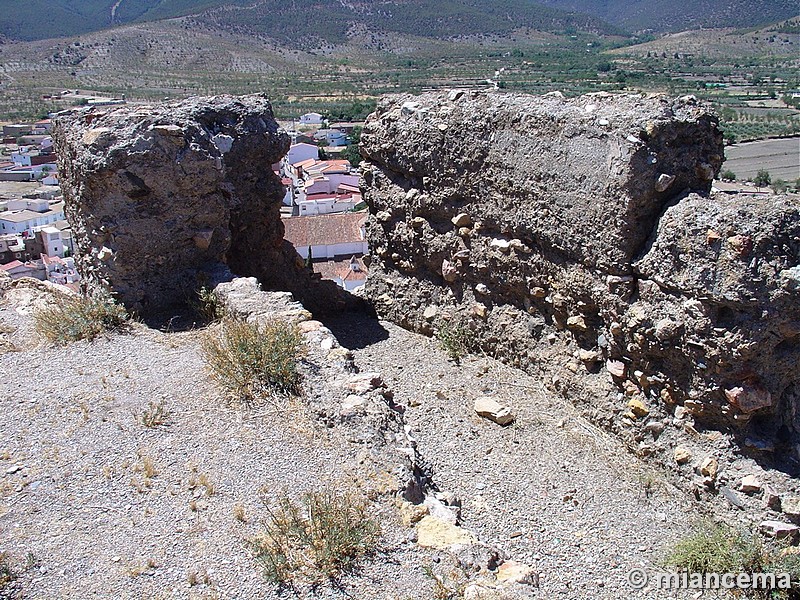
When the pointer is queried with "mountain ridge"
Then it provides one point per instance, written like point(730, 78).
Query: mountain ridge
point(667, 16)
point(448, 18)
point(315, 18)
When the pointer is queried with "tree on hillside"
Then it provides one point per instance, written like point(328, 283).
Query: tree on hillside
point(352, 154)
point(779, 186)
point(762, 178)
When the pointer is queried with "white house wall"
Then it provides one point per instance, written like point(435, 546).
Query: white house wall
point(301, 152)
point(334, 250)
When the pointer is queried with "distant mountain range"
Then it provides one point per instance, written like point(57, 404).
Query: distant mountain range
point(331, 19)
point(672, 15)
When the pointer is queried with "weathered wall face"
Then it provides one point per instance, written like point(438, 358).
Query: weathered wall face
point(584, 176)
point(159, 195)
point(577, 238)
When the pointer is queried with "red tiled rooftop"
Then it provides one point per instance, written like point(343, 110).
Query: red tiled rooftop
point(340, 269)
point(304, 164)
point(318, 230)
point(12, 265)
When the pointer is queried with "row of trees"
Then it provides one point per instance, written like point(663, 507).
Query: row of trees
point(764, 179)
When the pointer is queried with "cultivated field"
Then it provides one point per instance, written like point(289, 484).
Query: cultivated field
point(781, 157)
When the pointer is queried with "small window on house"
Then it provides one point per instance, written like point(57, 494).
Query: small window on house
point(55, 248)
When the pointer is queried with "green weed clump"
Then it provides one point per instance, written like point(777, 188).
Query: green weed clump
point(7, 573)
point(454, 339)
point(316, 539)
point(253, 362)
point(719, 548)
point(207, 306)
point(71, 318)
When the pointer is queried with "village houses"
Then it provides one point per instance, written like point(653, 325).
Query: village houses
point(35, 240)
point(325, 213)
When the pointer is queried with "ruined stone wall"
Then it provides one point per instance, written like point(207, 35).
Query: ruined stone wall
point(159, 196)
point(577, 238)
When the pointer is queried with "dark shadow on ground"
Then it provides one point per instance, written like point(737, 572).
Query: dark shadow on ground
point(355, 330)
point(172, 320)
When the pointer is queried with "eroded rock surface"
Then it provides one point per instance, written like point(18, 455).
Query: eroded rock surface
point(577, 238)
point(158, 196)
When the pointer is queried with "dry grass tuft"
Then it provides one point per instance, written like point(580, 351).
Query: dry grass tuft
point(239, 512)
point(201, 480)
point(198, 577)
point(155, 415)
point(252, 362)
point(318, 538)
point(149, 467)
point(72, 318)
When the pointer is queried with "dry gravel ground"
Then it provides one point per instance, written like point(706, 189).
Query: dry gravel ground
point(81, 501)
point(550, 490)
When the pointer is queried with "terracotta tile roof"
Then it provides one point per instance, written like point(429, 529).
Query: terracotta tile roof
point(340, 269)
point(51, 260)
point(329, 269)
point(335, 166)
point(358, 274)
point(319, 230)
point(12, 265)
point(304, 164)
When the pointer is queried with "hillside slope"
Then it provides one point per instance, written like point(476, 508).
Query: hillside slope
point(664, 15)
point(75, 493)
point(332, 21)
point(299, 19)
point(44, 19)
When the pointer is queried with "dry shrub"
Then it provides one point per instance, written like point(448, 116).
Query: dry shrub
point(253, 362)
point(155, 415)
point(71, 318)
point(317, 538)
point(7, 573)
